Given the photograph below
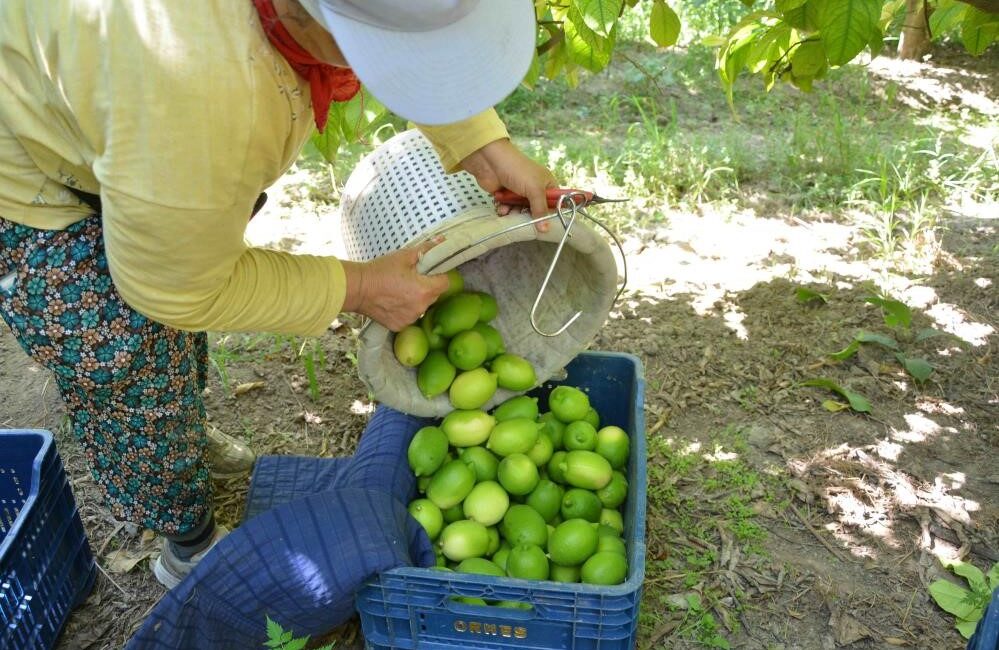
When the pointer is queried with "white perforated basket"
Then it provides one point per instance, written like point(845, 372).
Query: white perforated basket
point(399, 192)
point(400, 195)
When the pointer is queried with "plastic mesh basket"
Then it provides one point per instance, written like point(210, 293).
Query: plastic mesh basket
point(46, 566)
point(400, 195)
point(412, 195)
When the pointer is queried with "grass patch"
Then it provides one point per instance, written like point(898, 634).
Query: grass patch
point(701, 515)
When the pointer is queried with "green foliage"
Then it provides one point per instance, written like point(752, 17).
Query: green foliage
point(280, 639)
point(348, 122)
point(966, 604)
point(856, 401)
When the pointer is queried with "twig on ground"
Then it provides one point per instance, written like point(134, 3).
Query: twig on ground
point(111, 580)
point(814, 532)
point(108, 539)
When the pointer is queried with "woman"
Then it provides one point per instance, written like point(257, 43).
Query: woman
point(136, 138)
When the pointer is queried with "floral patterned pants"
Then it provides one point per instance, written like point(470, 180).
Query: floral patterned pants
point(132, 387)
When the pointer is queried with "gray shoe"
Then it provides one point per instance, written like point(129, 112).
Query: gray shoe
point(170, 570)
point(228, 456)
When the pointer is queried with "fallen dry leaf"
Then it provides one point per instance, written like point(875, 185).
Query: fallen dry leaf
point(123, 560)
point(248, 386)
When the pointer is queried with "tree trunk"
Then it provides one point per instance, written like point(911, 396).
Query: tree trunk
point(915, 40)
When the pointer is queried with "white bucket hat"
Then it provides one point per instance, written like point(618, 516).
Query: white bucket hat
point(433, 61)
point(399, 195)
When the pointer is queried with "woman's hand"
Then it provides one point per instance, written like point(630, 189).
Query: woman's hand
point(389, 289)
point(500, 164)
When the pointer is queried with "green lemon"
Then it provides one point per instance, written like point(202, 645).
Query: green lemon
point(546, 498)
point(603, 530)
point(494, 540)
point(513, 604)
point(453, 514)
point(457, 314)
point(486, 503)
point(523, 525)
point(472, 389)
point(614, 493)
point(482, 461)
point(613, 519)
point(451, 484)
point(464, 539)
point(467, 350)
point(615, 544)
point(482, 566)
point(554, 427)
point(500, 556)
point(434, 340)
point(521, 406)
point(489, 307)
point(518, 474)
point(411, 346)
point(581, 504)
point(542, 450)
point(573, 542)
point(427, 451)
point(467, 428)
point(568, 403)
point(422, 483)
point(435, 374)
point(440, 562)
point(554, 467)
point(560, 573)
point(613, 444)
point(429, 516)
point(494, 340)
point(604, 568)
point(527, 561)
point(513, 436)
point(551, 529)
point(469, 600)
point(580, 435)
point(586, 469)
point(513, 372)
point(592, 417)
point(455, 285)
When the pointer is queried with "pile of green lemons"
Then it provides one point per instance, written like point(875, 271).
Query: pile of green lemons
point(455, 350)
point(525, 494)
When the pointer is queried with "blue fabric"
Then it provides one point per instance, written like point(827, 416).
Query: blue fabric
point(986, 636)
point(316, 530)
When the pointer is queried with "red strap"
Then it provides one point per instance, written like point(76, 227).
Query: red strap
point(328, 83)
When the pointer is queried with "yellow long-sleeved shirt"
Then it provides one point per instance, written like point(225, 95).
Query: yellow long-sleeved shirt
point(178, 114)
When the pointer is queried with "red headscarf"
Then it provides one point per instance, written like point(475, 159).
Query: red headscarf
point(328, 83)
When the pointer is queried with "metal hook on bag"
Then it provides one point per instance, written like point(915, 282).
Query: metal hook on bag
point(567, 203)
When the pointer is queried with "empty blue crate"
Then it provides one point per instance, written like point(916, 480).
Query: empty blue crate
point(413, 608)
point(46, 567)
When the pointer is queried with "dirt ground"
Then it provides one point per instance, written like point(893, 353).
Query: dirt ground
point(856, 507)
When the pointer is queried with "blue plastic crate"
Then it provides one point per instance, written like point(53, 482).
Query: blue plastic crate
point(411, 608)
point(46, 566)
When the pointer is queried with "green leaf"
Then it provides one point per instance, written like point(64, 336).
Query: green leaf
point(966, 628)
point(880, 339)
point(951, 598)
point(846, 27)
point(971, 573)
point(895, 313)
point(664, 25)
point(713, 40)
point(584, 46)
point(768, 49)
point(979, 30)
point(846, 352)
point(946, 16)
point(857, 401)
point(296, 644)
point(833, 406)
point(808, 59)
point(328, 142)
point(929, 333)
point(784, 6)
point(993, 576)
point(600, 15)
point(274, 632)
point(359, 114)
point(804, 294)
point(919, 369)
